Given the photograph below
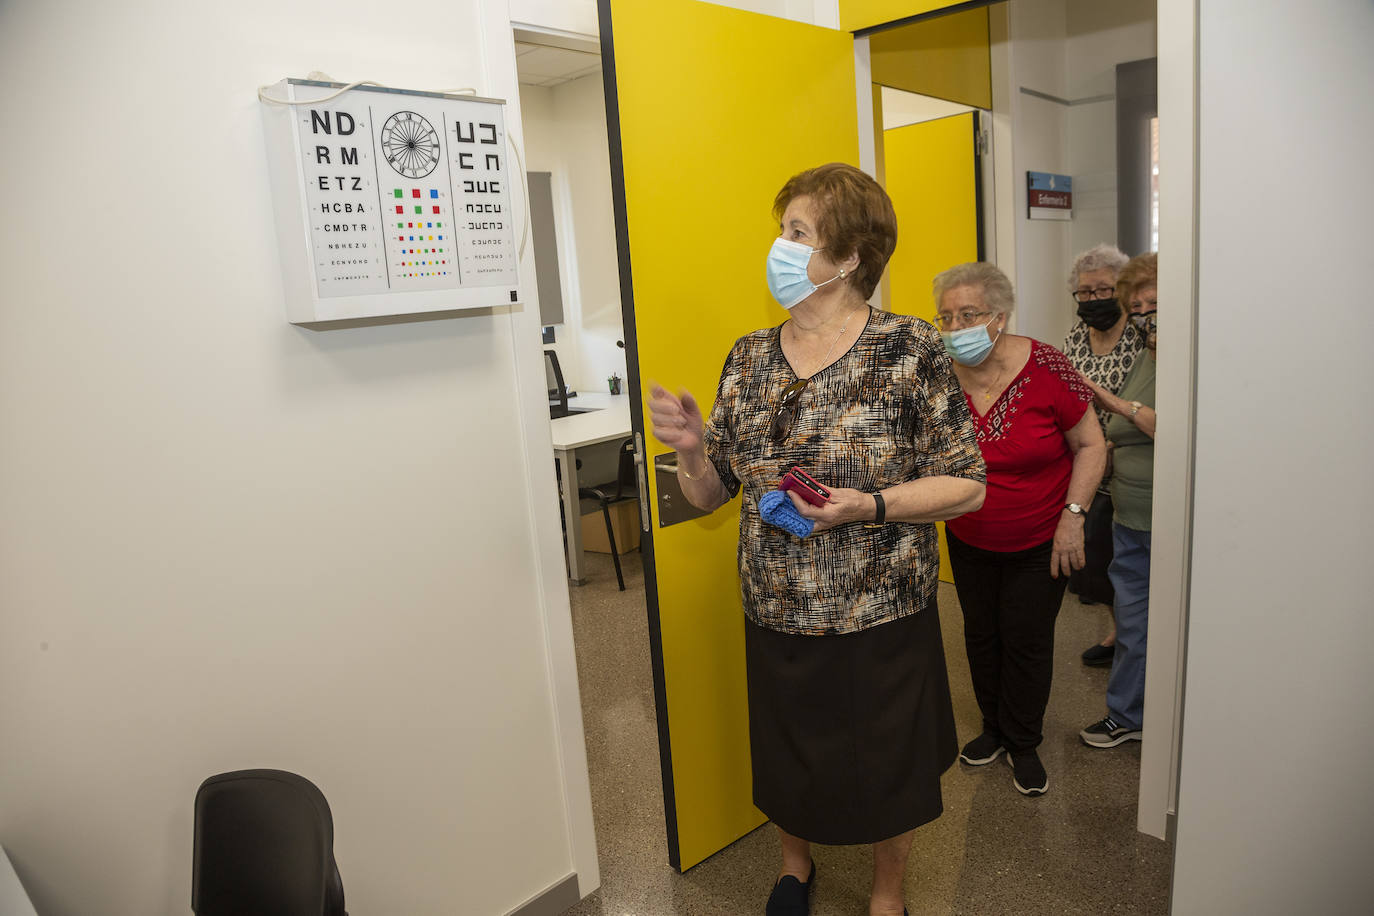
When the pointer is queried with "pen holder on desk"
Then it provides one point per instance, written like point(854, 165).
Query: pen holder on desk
point(613, 382)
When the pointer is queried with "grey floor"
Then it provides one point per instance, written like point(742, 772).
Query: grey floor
point(1074, 850)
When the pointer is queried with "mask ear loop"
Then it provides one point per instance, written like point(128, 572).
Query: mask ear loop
point(999, 330)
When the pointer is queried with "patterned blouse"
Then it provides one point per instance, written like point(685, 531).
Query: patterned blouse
point(1108, 370)
point(889, 410)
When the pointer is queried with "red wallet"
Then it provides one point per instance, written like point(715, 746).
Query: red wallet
point(806, 486)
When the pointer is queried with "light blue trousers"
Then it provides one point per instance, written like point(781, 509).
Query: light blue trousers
point(1130, 575)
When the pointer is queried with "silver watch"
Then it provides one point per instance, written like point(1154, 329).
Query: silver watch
point(1076, 509)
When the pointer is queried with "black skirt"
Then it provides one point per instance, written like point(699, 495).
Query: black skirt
point(849, 734)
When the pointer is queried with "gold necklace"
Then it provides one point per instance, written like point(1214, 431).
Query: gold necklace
point(825, 360)
point(987, 392)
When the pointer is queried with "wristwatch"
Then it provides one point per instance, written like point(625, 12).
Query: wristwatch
point(1076, 509)
point(1135, 407)
point(879, 512)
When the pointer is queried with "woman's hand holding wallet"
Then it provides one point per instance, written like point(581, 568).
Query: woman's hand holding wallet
point(844, 506)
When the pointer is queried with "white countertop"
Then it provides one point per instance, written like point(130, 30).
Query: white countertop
point(608, 419)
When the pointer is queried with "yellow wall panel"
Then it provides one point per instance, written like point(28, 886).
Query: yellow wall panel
point(946, 57)
point(931, 180)
point(710, 128)
point(930, 176)
point(864, 14)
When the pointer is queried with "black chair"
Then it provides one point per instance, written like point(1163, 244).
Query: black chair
point(558, 390)
point(264, 846)
point(620, 490)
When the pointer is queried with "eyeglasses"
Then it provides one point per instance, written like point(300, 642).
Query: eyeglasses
point(968, 316)
point(781, 424)
point(1087, 295)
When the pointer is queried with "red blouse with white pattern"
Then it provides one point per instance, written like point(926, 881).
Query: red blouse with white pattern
point(1028, 459)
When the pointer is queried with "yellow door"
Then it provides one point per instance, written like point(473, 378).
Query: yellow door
point(710, 110)
point(932, 177)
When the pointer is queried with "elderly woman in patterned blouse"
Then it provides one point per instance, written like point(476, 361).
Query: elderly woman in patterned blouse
point(1103, 346)
point(850, 718)
point(1011, 559)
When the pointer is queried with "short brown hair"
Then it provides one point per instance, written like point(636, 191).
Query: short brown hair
point(853, 214)
point(1140, 272)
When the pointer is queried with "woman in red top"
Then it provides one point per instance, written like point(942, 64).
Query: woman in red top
point(1045, 455)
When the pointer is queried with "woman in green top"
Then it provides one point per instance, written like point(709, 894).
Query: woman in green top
point(1131, 430)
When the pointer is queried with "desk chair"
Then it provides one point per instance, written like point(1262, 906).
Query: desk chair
point(558, 390)
point(620, 490)
point(264, 845)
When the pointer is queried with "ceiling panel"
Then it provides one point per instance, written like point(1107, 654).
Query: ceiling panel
point(539, 65)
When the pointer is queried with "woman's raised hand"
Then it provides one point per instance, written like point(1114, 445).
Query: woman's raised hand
point(676, 419)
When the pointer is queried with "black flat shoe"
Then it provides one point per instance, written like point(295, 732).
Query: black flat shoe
point(1098, 656)
point(791, 897)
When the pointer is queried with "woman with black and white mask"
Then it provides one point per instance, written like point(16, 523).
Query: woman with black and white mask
point(1131, 429)
point(1103, 346)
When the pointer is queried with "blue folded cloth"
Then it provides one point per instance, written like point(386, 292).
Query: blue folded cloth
point(777, 509)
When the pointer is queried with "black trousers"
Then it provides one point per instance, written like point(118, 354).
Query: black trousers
point(1010, 603)
point(1091, 583)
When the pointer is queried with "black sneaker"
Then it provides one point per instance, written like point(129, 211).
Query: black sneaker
point(984, 749)
point(1027, 773)
point(1108, 734)
point(1098, 655)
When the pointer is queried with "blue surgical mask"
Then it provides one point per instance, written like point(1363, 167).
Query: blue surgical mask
point(969, 346)
point(787, 277)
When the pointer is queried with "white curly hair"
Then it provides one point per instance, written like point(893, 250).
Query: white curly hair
point(1096, 258)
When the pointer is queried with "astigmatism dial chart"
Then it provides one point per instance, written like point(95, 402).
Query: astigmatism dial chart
point(410, 144)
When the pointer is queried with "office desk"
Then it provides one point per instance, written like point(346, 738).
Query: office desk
point(608, 420)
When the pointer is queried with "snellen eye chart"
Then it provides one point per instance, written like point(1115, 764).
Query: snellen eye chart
point(389, 201)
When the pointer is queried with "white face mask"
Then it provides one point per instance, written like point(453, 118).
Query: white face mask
point(788, 280)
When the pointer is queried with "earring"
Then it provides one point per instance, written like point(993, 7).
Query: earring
point(841, 273)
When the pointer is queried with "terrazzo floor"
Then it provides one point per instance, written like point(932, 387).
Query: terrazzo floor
point(1074, 850)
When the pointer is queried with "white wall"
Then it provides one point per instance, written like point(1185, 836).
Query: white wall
point(1039, 141)
point(1276, 808)
point(575, 17)
point(565, 130)
point(1100, 36)
point(230, 542)
point(1068, 49)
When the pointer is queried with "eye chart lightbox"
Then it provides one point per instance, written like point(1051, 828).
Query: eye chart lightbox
point(390, 201)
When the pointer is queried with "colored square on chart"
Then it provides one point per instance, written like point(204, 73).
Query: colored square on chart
point(441, 238)
point(400, 238)
point(399, 226)
point(414, 192)
point(436, 209)
point(419, 210)
point(433, 193)
point(399, 209)
point(398, 192)
point(441, 225)
point(430, 225)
